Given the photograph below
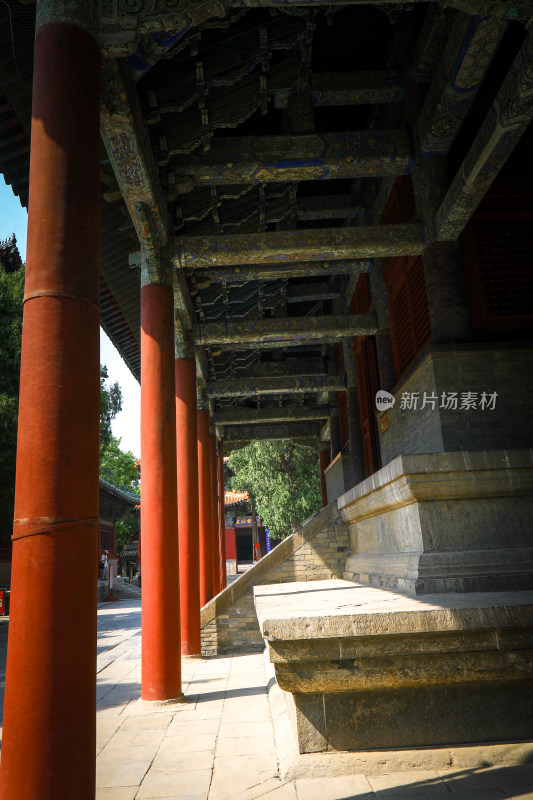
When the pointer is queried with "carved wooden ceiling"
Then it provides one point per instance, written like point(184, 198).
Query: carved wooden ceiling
point(267, 139)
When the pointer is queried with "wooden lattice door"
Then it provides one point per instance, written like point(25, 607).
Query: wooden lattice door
point(406, 286)
point(498, 256)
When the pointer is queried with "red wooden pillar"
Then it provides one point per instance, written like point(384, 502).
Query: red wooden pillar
point(48, 743)
point(188, 512)
point(161, 650)
point(214, 513)
point(324, 461)
point(222, 513)
point(206, 524)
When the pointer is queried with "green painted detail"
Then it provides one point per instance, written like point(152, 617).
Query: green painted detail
point(248, 416)
point(285, 331)
point(316, 244)
point(325, 156)
point(296, 430)
point(506, 121)
point(275, 272)
point(468, 54)
point(282, 385)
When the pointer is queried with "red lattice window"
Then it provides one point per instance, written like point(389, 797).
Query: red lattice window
point(419, 302)
point(408, 310)
point(366, 369)
point(498, 254)
point(362, 296)
point(400, 206)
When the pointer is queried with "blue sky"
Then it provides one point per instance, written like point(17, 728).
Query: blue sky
point(14, 219)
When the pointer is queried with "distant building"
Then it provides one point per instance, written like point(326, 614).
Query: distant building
point(241, 542)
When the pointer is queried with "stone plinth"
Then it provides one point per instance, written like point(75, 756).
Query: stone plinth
point(444, 522)
point(437, 426)
point(372, 669)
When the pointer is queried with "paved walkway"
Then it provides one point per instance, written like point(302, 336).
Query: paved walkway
point(219, 744)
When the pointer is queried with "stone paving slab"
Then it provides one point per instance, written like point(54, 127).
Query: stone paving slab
point(219, 745)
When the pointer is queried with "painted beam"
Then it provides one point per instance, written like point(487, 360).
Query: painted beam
point(296, 384)
point(126, 140)
point(119, 30)
point(503, 9)
point(308, 292)
point(248, 416)
point(291, 366)
point(272, 432)
point(276, 272)
point(128, 146)
point(472, 44)
point(315, 244)
point(348, 89)
point(506, 121)
point(268, 159)
point(285, 331)
point(337, 206)
point(496, 7)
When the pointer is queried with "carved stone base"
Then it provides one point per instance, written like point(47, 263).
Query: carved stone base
point(444, 522)
point(372, 669)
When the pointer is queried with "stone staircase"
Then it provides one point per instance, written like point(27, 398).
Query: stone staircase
point(316, 551)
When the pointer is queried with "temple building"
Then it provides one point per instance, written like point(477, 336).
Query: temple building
point(295, 220)
point(244, 531)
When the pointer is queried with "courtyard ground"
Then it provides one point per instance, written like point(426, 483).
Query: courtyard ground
point(219, 744)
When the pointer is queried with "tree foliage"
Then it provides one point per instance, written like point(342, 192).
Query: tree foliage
point(11, 299)
point(110, 405)
point(119, 468)
point(283, 481)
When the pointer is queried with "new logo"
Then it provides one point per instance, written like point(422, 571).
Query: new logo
point(384, 400)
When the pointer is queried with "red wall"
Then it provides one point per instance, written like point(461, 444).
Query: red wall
point(231, 545)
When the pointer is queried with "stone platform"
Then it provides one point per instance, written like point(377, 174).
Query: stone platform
point(371, 669)
point(444, 522)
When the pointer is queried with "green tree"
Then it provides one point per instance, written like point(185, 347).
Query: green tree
point(283, 481)
point(110, 405)
point(11, 299)
point(119, 468)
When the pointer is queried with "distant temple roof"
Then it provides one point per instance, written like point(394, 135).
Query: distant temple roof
point(232, 498)
point(9, 254)
point(116, 503)
point(128, 497)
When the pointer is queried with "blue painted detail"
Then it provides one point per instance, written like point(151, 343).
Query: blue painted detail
point(409, 167)
point(139, 60)
point(268, 542)
point(297, 162)
point(143, 60)
point(168, 38)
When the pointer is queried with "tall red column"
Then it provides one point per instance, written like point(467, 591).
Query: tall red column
point(214, 513)
point(204, 491)
point(222, 515)
point(161, 650)
point(324, 461)
point(48, 743)
point(188, 512)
